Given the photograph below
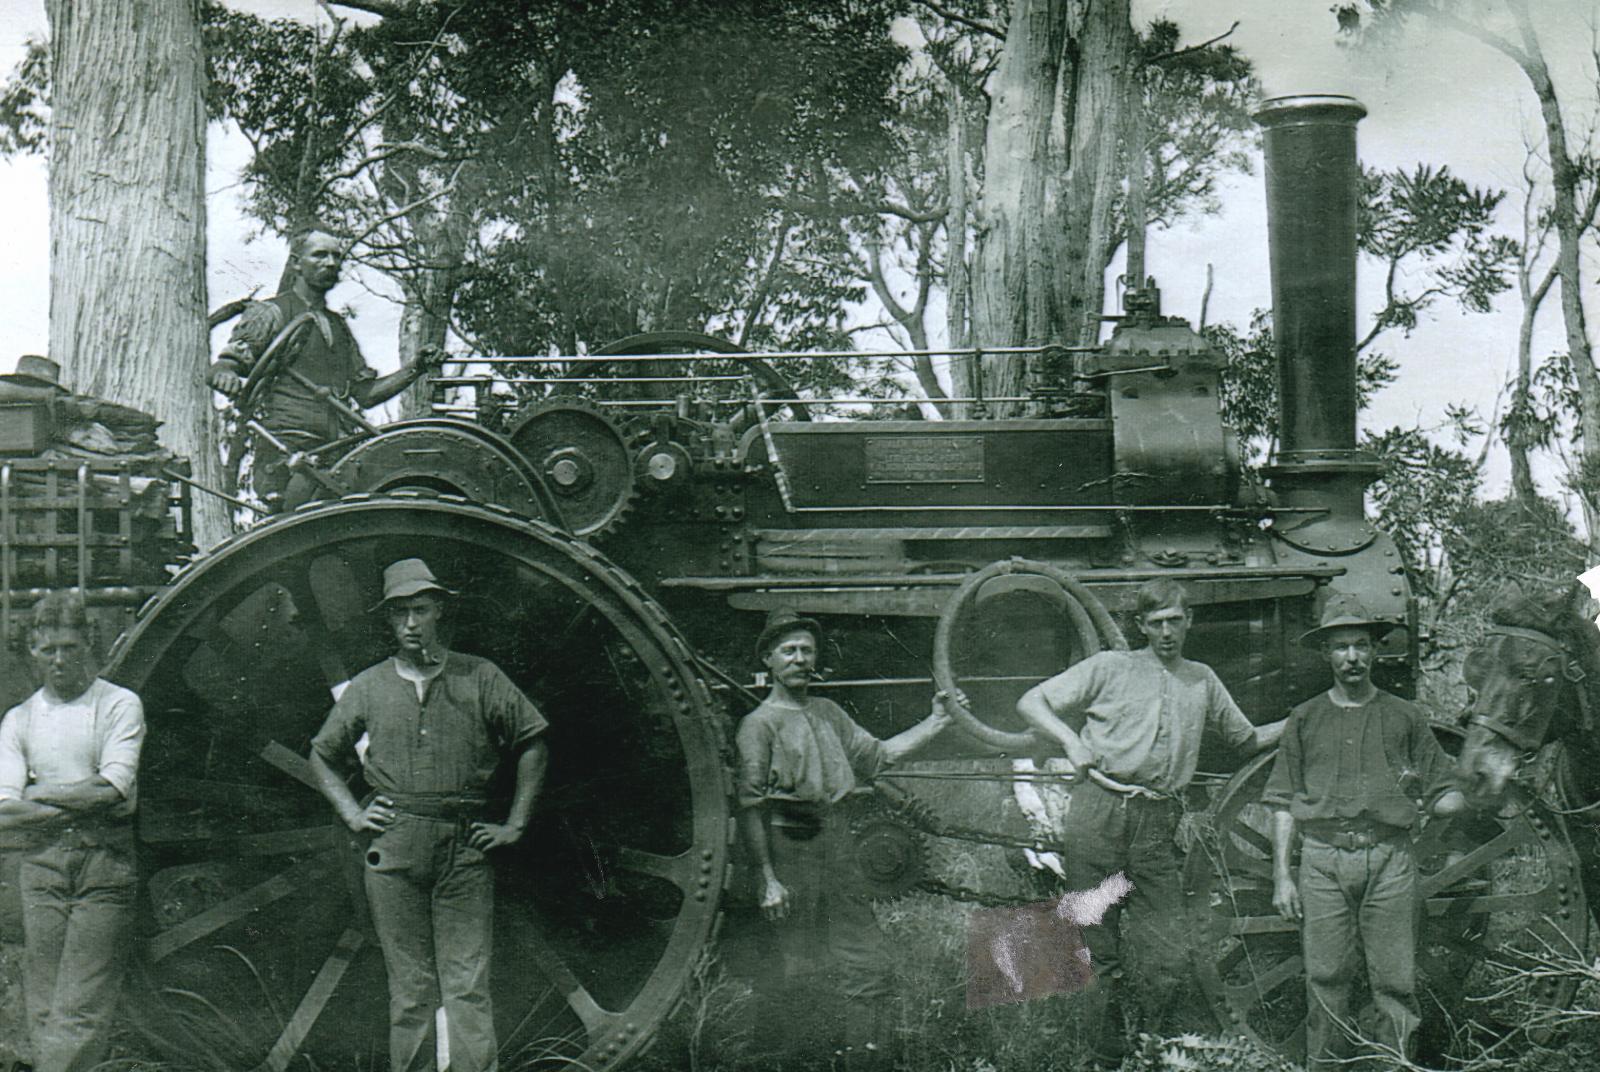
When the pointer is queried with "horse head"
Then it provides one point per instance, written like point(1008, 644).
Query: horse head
point(1527, 682)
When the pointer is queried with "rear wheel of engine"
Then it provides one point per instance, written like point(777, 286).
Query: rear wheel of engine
point(257, 947)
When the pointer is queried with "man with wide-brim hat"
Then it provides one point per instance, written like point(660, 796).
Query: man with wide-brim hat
point(439, 724)
point(1357, 770)
point(800, 755)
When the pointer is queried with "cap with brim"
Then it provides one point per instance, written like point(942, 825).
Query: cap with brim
point(409, 577)
point(781, 621)
point(35, 371)
point(1346, 612)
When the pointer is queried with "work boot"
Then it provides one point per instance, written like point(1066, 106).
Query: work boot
point(867, 1040)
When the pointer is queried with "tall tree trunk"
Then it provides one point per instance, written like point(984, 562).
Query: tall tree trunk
point(1564, 209)
point(958, 280)
point(1052, 173)
point(1014, 276)
point(1103, 68)
point(127, 219)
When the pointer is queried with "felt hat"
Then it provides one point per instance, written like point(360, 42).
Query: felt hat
point(409, 577)
point(1346, 612)
point(782, 620)
point(35, 371)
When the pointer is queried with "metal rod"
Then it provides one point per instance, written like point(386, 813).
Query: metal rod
point(795, 355)
point(733, 378)
point(224, 496)
point(927, 580)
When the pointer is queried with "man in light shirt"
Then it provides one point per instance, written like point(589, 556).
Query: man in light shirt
point(69, 755)
point(1143, 715)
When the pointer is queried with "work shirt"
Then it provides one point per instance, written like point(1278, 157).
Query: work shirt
point(324, 352)
point(97, 733)
point(1144, 722)
point(808, 754)
point(452, 741)
point(1370, 763)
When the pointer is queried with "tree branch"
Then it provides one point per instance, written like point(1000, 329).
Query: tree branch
point(1201, 47)
point(962, 20)
point(386, 8)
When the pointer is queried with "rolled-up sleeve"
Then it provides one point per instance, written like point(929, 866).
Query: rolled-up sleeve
point(13, 762)
point(864, 751)
point(1285, 781)
point(254, 330)
point(335, 742)
point(516, 720)
point(123, 739)
point(754, 745)
point(1224, 715)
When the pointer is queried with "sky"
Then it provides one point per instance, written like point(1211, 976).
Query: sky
point(1442, 99)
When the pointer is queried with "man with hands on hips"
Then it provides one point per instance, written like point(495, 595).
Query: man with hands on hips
point(439, 724)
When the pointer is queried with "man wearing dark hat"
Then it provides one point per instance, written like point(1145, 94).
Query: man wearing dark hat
point(1357, 770)
point(322, 350)
point(799, 755)
point(1144, 713)
point(438, 725)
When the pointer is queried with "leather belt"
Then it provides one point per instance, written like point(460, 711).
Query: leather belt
point(1355, 835)
point(439, 805)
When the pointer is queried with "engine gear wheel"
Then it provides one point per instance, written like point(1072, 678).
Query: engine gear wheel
point(890, 858)
point(584, 458)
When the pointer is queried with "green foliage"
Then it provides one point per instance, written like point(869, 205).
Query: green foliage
point(1198, 106)
point(24, 119)
point(1431, 217)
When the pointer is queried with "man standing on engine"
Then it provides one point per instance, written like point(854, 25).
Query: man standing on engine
point(1358, 769)
point(1143, 714)
point(318, 347)
point(69, 756)
point(439, 725)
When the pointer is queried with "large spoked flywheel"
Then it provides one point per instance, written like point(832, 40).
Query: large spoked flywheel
point(257, 947)
point(1494, 893)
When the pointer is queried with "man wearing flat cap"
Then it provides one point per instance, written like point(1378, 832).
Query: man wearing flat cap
point(439, 724)
point(1357, 770)
point(799, 756)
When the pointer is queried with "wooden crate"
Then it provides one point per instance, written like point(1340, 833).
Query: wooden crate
point(25, 427)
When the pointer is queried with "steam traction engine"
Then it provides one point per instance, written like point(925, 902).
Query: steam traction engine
point(616, 556)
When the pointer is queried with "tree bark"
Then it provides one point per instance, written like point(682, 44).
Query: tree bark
point(1569, 233)
point(127, 220)
point(1014, 276)
point(1052, 173)
point(958, 280)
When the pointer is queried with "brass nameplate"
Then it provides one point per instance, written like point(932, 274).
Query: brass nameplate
point(925, 460)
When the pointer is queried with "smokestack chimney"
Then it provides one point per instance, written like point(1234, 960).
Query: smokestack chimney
point(1312, 181)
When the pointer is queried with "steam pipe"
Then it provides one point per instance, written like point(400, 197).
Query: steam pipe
point(1312, 180)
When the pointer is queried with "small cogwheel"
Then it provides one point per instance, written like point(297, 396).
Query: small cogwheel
point(890, 857)
point(584, 458)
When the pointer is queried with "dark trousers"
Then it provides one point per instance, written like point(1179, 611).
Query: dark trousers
point(432, 901)
point(1358, 901)
point(77, 912)
point(1104, 833)
point(835, 966)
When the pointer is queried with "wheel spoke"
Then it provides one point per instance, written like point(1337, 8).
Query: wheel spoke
point(675, 869)
point(291, 763)
point(311, 1005)
point(1243, 925)
point(1264, 983)
point(1472, 861)
point(235, 908)
point(272, 843)
point(595, 1019)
